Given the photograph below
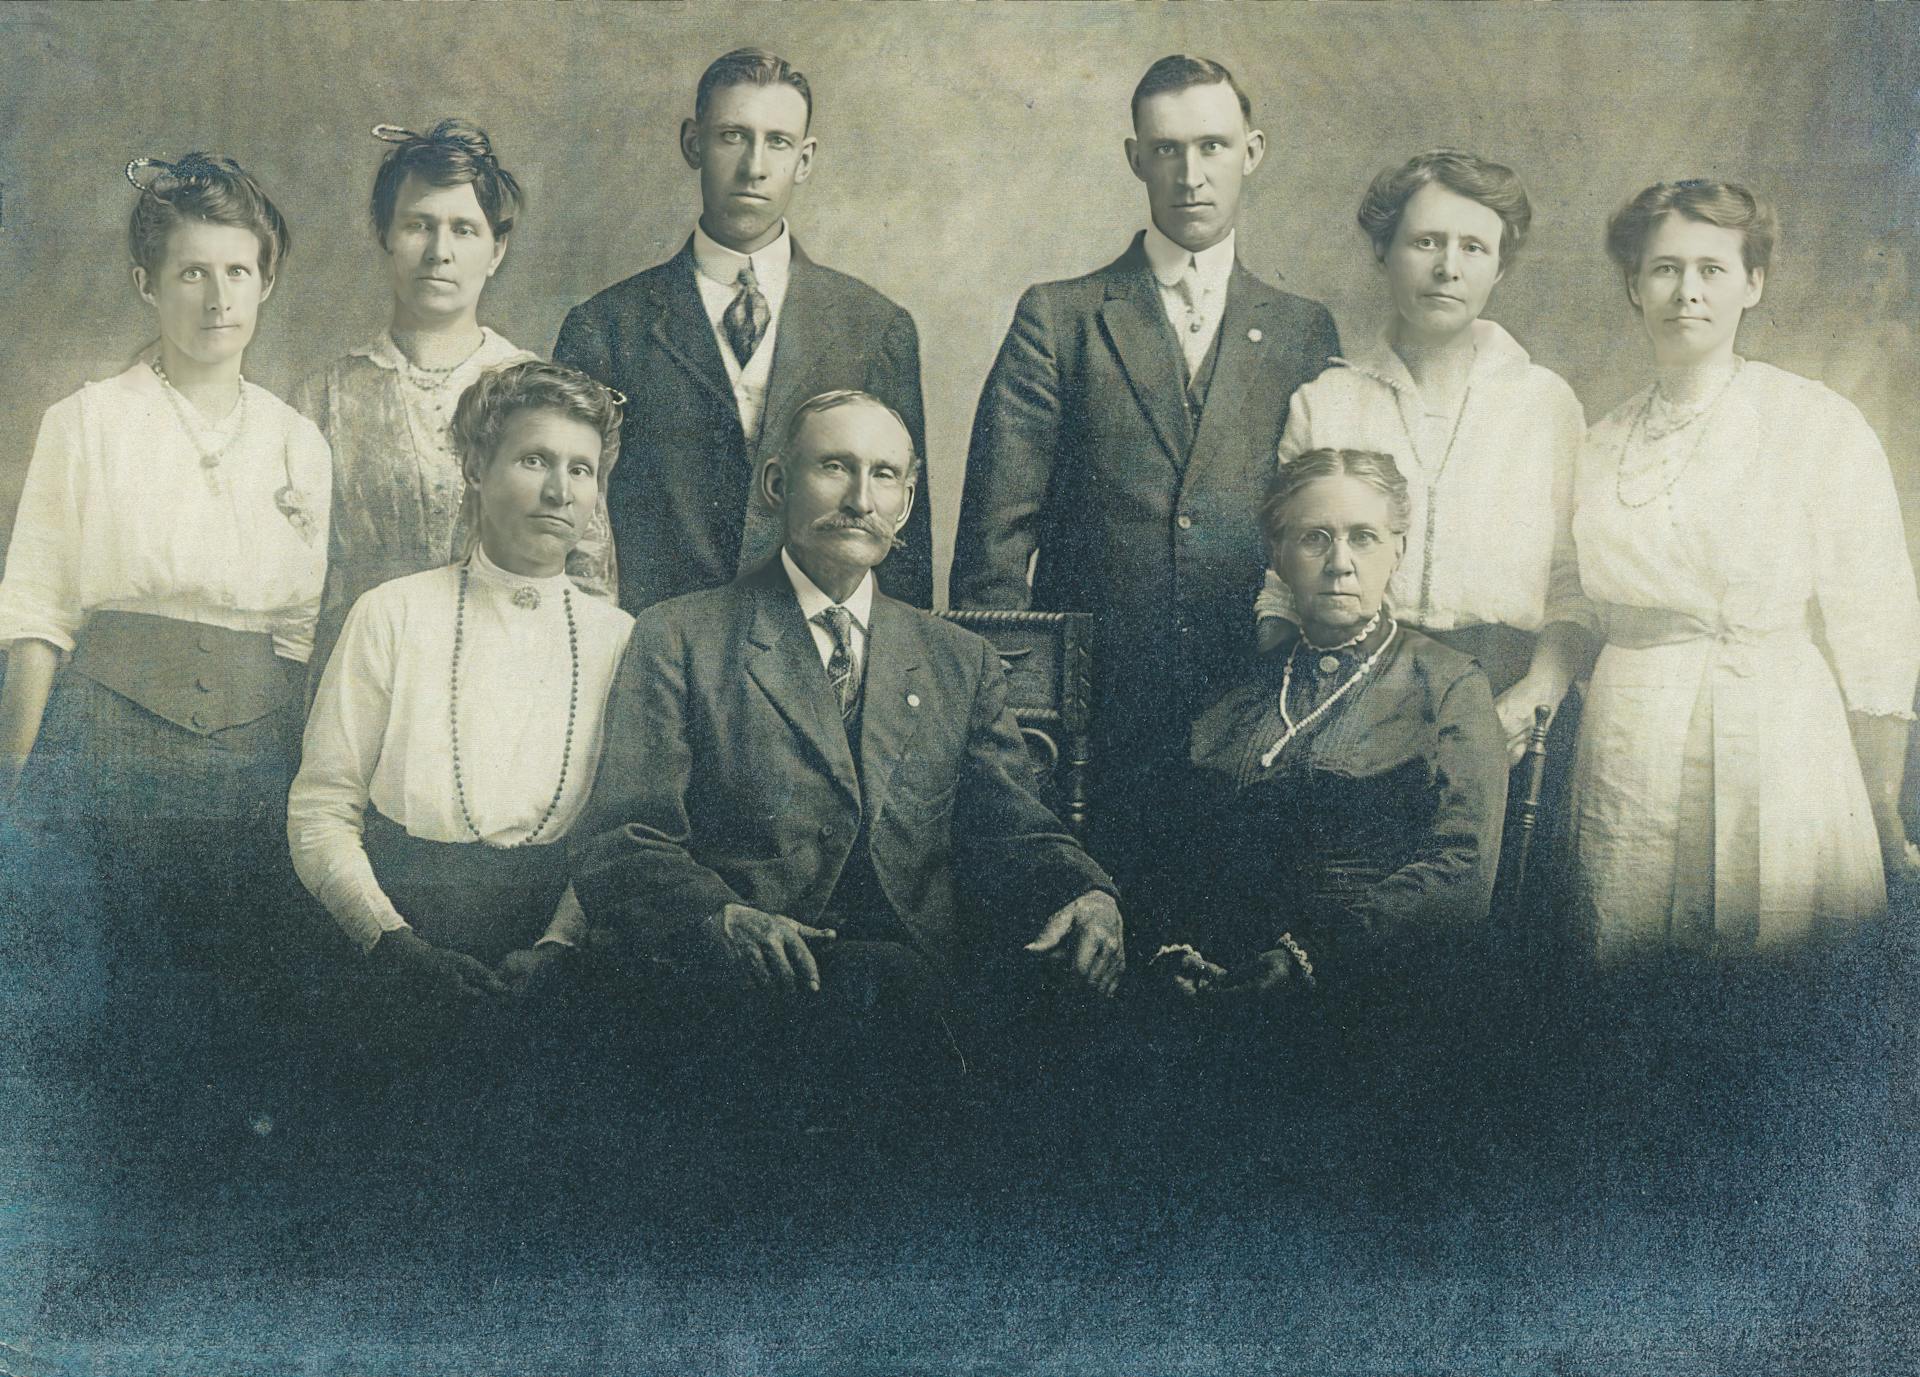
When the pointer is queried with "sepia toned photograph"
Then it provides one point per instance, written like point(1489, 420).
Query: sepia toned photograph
point(1067, 688)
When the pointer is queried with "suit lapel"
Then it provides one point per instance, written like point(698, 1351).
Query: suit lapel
point(1147, 354)
point(799, 342)
point(786, 666)
point(680, 327)
point(1236, 366)
point(890, 707)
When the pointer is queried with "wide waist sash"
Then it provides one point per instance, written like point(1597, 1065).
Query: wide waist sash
point(1733, 692)
point(200, 677)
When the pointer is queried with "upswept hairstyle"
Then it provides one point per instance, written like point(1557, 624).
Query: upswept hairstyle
point(749, 67)
point(1374, 469)
point(1726, 204)
point(534, 384)
point(208, 188)
point(830, 401)
point(1494, 185)
point(453, 153)
point(1181, 70)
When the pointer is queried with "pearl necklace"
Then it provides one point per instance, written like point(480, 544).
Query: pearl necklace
point(1639, 426)
point(1286, 684)
point(573, 702)
point(209, 460)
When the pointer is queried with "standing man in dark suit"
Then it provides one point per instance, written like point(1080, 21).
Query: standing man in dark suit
point(715, 348)
point(1125, 435)
point(817, 797)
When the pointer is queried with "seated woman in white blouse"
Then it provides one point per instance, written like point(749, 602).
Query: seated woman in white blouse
point(456, 730)
point(159, 602)
point(1486, 437)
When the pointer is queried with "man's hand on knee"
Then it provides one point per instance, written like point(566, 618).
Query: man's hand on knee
point(765, 951)
point(1088, 938)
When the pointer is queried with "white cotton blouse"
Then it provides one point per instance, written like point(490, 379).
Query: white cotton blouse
point(120, 513)
point(1499, 492)
point(380, 731)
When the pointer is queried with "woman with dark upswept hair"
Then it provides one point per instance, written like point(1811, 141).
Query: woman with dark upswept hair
point(159, 602)
point(442, 209)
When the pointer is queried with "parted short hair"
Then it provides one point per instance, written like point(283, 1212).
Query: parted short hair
point(1494, 185)
point(1179, 71)
point(1726, 204)
point(211, 189)
point(1371, 467)
point(749, 67)
point(454, 152)
point(831, 401)
point(534, 384)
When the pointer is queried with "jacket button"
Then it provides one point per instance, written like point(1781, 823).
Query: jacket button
point(1184, 522)
point(199, 720)
point(826, 832)
point(203, 685)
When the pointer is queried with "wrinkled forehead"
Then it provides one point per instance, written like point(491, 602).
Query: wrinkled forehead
point(855, 430)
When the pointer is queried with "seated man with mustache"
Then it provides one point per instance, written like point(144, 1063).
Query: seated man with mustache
point(807, 783)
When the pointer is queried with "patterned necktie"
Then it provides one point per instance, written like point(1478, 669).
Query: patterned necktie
point(1192, 337)
point(745, 319)
point(846, 687)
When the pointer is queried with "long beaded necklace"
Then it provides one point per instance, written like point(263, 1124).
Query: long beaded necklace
point(209, 459)
point(1433, 497)
point(573, 702)
point(1286, 684)
point(1639, 426)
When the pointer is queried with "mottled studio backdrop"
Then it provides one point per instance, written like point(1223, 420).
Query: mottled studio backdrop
point(965, 151)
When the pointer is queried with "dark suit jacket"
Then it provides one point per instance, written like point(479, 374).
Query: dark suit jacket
point(727, 777)
point(1080, 450)
point(677, 500)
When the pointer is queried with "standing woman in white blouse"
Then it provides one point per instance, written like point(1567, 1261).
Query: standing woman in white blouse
point(442, 210)
point(1738, 777)
point(456, 730)
point(159, 599)
point(1485, 436)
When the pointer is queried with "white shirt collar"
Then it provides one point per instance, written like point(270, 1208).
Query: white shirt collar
point(1168, 260)
point(721, 264)
point(813, 602)
point(1493, 349)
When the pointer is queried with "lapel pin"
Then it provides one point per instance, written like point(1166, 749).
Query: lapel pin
point(913, 700)
point(1255, 336)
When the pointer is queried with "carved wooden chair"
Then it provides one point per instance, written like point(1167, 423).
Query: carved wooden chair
point(1048, 657)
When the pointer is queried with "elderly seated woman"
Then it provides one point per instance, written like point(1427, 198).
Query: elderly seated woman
point(1346, 801)
point(457, 726)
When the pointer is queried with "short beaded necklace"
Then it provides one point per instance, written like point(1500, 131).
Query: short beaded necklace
point(573, 702)
point(209, 459)
point(1286, 684)
point(1639, 426)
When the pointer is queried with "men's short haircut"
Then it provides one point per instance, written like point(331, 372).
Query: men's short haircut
point(749, 67)
point(453, 153)
point(534, 385)
point(1178, 72)
point(831, 401)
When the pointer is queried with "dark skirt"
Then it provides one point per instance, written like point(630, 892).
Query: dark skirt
point(173, 836)
point(479, 900)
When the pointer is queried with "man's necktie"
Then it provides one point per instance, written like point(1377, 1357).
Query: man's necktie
point(1193, 345)
point(745, 319)
point(846, 686)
